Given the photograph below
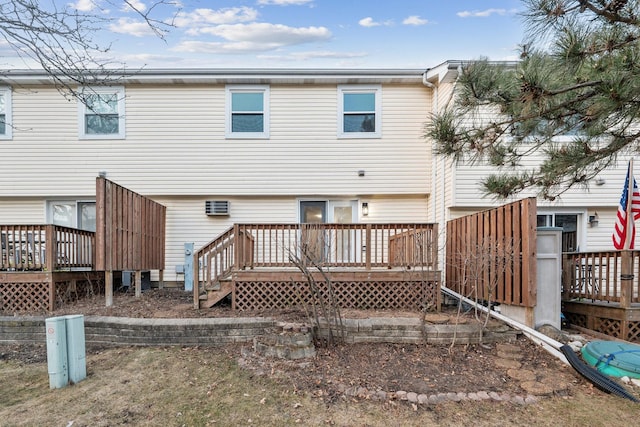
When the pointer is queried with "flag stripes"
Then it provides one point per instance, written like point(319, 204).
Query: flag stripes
point(625, 230)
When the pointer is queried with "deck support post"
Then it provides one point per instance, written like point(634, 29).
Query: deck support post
point(626, 278)
point(52, 291)
point(108, 288)
point(160, 279)
point(138, 280)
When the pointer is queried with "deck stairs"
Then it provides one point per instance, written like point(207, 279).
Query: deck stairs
point(216, 293)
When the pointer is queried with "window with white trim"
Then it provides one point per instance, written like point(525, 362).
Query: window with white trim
point(359, 111)
point(569, 224)
point(101, 113)
point(5, 113)
point(72, 213)
point(247, 111)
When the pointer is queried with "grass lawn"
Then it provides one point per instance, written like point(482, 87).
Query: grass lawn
point(205, 386)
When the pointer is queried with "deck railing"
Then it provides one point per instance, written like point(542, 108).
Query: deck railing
point(363, 246)
point(45, 247)
point(611, 276)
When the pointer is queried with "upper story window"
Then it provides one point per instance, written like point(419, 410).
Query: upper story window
point(5, 113)
point(101, 113)
point(247, 112)
point(359, 111)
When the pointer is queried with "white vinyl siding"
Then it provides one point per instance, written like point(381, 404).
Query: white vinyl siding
point(6, 123)
point(101, 113)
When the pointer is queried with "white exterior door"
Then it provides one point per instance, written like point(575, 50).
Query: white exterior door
point(336, 245)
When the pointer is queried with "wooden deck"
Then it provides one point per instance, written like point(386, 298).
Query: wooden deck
point(44, 265)
point(601, 292)
point(365, 265)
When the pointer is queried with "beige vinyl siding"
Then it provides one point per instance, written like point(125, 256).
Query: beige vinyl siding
point(22, 211)
point(469, 191)
point(175, 145)
point(44, 156)
point(187, 221)
point(410, 209)
point(599, 237)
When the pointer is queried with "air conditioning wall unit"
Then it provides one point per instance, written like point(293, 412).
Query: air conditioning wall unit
point(217, 207)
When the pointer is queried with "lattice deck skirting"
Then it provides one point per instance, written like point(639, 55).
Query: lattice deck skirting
point(403, 295)
point(608, 319)
point(30, 296)
point(30, 292)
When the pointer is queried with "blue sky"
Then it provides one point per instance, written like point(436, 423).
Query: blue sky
point(312, 33)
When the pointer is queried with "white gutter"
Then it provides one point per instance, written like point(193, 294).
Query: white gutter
point(549, 344)
point(426, 82)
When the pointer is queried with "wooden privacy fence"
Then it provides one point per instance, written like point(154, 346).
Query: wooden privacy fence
point(491, 255)
point(130, 232)
point(611, 276)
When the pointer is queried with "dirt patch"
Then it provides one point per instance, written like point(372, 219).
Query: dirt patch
point(422, 369)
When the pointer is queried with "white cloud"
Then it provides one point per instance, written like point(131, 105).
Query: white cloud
point(284, 2)
point(84, 5)
point(268, 33)
point(368, 22)
point(134, 4)
point(415, 20)
point(215, 17)
point(255, 37)
point(482, 13)
point(302, 56)
point(131, 27)
point(144, 58)
point(195, 46)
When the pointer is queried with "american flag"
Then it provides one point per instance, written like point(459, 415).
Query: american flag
point(625, 229)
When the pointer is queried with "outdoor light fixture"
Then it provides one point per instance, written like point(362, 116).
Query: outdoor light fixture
point(593, 220)
point(365, 208)
point(102, 174)
point(361, 172)
point(600, 181)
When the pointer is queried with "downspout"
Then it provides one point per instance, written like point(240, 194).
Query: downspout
point(549, 344)
point(434, 110)
point(444, 161)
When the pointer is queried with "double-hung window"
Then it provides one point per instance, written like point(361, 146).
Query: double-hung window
point(247, 112)
point(101, 113)
point(5, 113)
point(359, 111)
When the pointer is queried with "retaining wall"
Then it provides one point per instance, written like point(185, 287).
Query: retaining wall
point(117, 331)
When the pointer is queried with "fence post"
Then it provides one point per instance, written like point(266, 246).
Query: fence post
point(52, 248)
point(367, 247)
point(236, 247)
point(196, 279)
point(568, 273)
point(626, 278)
point(434, 246)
